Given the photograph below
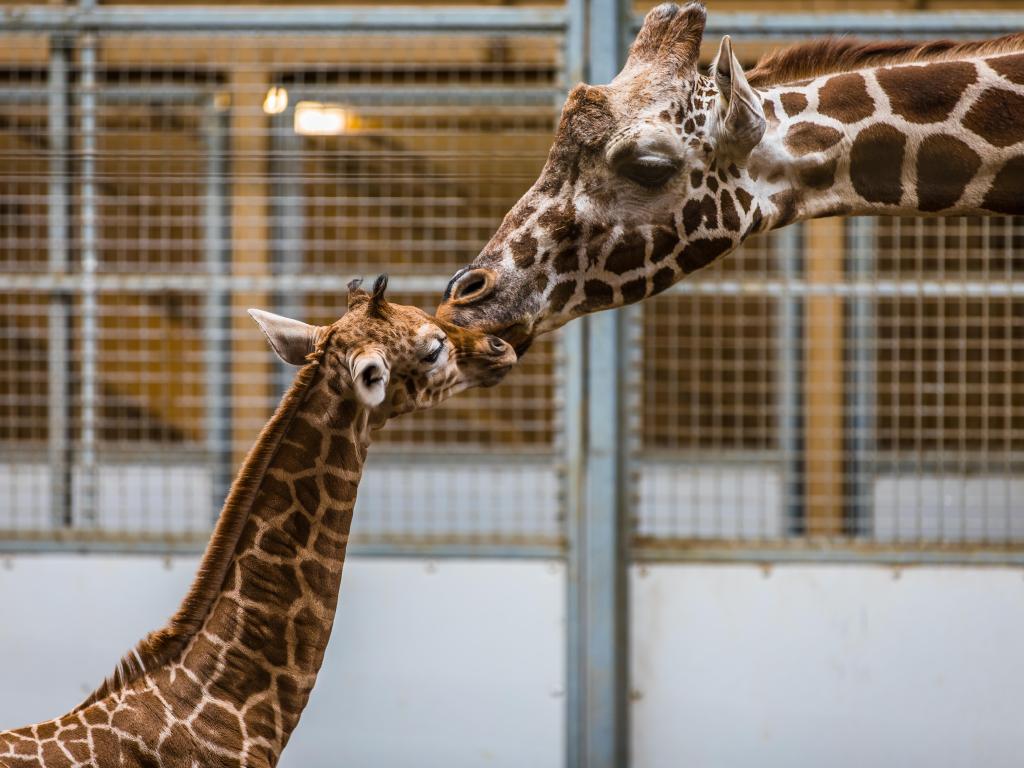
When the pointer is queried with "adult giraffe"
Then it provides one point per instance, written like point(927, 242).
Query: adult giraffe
point(664, 170)
point(224, 683)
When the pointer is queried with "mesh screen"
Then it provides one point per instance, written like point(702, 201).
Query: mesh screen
point(185, 177)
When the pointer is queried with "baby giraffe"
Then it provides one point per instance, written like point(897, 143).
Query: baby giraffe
point(224, 683)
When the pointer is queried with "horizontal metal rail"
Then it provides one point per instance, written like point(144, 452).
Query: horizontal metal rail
point(198, 283)
point(826, 551)
point(863, 288)
point(69, 541)
point(320, 19)
point(909, 25)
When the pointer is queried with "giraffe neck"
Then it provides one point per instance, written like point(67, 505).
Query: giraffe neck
point(259, 650)
point(233, 670)
point(942, 137)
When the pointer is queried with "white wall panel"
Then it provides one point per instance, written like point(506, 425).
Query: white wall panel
point(734, 666)
point(445, 663)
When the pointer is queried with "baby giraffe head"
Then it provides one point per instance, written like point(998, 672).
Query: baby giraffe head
point(394, 358)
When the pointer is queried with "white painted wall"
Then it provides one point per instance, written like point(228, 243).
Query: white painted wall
point(827, 666)
point(447, 663)
point(461, 663)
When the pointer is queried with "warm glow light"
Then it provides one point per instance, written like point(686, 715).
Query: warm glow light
point(276, 100)
point(315, 119)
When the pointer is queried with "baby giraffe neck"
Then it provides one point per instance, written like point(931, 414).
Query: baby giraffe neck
point(257, 655)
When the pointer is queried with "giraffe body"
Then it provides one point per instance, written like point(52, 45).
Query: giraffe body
point(665, 170)
point(224, 684)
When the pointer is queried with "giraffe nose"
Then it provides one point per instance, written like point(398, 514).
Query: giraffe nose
point(497, 346)
point(471, 285)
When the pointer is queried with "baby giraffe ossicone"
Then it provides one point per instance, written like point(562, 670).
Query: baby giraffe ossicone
point(225, 682)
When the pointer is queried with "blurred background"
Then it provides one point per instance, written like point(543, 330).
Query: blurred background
point(772, 517)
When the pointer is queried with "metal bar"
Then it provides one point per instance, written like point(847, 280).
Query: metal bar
point(216, 336)
point(831, 552)
point(11, 544)
point(294, 19)
point(789, 352)
point(331, 283)
point(506, 100)
point(600, 658)
point(59, 313)
point(571, 380)
point(758, 26)
point(88, 490)
point(287, 224)
point(199, 283)
point(860, 384)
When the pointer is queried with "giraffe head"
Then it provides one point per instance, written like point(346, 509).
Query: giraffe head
point(643, 184)
point(395, 358)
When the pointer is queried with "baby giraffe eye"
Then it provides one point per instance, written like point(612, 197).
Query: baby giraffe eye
point(435, 352)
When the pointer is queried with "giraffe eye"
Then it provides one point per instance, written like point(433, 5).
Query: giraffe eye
point(435, 353)
point(649, 171)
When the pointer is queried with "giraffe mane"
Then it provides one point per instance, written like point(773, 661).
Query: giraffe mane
point(159, 647)
point(832, 55)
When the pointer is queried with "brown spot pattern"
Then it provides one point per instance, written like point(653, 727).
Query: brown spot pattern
point(876, 164)
point(730, 219)
point(793, 103)
point(1011, 67)
point(819, 176)
point(945, 165)
point(1005, 195)
point(846, 98)
point(926, 94)
point(806, 138)
point(700, 253)
point(998, 117)
point(628, 253)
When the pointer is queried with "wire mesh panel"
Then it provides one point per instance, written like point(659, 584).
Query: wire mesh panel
point(157, 184)
point(859, 381)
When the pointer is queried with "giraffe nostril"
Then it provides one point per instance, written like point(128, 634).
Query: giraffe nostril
point(472, 285)
point(498, 346)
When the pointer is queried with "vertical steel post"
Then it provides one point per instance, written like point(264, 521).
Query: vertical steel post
point(59, 310)
point(598, 657)
point(217, 328)
point(287, 223)
point(860, 373)
point(573, 387)
point(789, 351)
point(89, 261)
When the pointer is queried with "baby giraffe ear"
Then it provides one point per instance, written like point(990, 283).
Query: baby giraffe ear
point(741, 116)
point(370, 375)
point(356, 292)
point(292, 340)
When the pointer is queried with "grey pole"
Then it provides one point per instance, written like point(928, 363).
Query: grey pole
point(789, 349)
point(216, 340)
point(89, 259)
point(598, 541)
point(59, 316)
point(861, 384)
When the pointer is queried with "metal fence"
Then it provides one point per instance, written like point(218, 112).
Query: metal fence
point(836, 384)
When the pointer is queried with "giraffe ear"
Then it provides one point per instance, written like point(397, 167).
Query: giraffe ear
point(292, 340)
point(370, 375)
point(670, 37)
point(741, 121)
